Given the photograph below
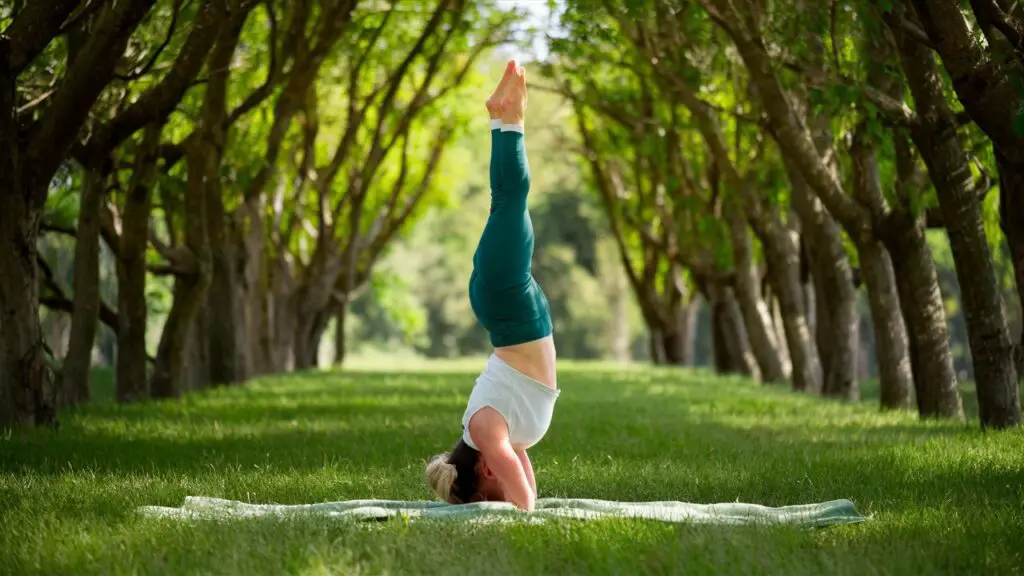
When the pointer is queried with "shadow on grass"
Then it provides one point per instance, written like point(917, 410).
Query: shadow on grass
point(870, 393)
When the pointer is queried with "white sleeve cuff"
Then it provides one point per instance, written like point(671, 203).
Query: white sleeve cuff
point(495, 124)
point(513, 128)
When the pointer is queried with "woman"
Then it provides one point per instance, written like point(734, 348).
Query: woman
point(512, 402)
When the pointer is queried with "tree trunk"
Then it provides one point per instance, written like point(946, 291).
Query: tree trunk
point(305, 335)
point(891, 343)
point(340, 338)
point(29, 395)
point(655, 346)
point(313, 299)
point(220, 333)
point(672, 346)
point(784, 274)
point(254, 336)
point(865, 360)
point(836, 295)
point(223, 302)
point(892, 346)
point(169, 373)
point(196, 362)
point(989, 338)
point(756, 315)
point(323, 322)
point(838, 320)
point(778, 329)
point(213, 337)
point(86, 307)
point(719, 347)
point(281, 320)
point(732, 346)
point(316, 334)
point(820, 312)
point(620, 334)
point(688, 330)
point(1011, 220)
point(675, 328)
point(667, 340)
point(935, 382)
point(192, 282)
point(131, 274)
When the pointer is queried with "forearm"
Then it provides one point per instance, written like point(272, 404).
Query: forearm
point(524, 459)
point(511, 475)
point(518, 491)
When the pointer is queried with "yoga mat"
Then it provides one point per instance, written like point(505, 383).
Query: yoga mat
point(818, 515)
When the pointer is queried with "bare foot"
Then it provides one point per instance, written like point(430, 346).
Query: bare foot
point(513, 102)
point(494, 102)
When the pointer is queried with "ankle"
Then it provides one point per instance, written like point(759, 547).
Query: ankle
point(512, 117)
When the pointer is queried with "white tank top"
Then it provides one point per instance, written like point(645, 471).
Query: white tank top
point(524, 403)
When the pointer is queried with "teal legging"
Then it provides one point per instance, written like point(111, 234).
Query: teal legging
point(506, 299)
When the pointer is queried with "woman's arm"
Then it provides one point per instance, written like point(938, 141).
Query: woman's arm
point(524, 459)
point(490, 433)
point(508, 469)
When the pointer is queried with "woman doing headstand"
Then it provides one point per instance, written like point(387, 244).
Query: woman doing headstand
point(511, 405)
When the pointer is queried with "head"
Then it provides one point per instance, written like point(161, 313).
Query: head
point(462, 476)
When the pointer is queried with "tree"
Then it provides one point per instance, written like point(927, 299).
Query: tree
point(35, 140)
point(982, 80)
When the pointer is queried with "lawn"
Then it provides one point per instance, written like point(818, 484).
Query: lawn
point(944, 497)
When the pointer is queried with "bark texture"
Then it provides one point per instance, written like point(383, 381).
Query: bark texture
point(784, 275)
point(132, 381)
point(756, 314)
point(891, 341)
point(838, 319)
point(935, 137)
point(86, 308)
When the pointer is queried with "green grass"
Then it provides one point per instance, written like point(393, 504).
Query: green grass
point(945, 497)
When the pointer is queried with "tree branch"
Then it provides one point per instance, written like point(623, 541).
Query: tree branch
point(181, 260)
point(395, 220)
point(895, 111)
point(145, 69)
point(989, 13)
point(46, 226)
point(82, 12)
point(913, 31)
point(159, 101)
point(52, 136)
point(38, 24)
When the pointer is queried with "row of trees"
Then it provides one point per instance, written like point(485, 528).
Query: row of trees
point(224, 179)
point(771, 158)
point(259, 156)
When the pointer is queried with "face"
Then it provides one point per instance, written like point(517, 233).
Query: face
point(488, 488)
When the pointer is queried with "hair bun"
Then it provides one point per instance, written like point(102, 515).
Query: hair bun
point(441, 476)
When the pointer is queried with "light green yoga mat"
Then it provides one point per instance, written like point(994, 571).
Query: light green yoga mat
point(807, 515)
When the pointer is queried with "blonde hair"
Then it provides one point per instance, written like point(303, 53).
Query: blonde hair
point(441, 476)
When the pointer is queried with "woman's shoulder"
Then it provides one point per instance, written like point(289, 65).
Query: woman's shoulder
point(488, 427)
